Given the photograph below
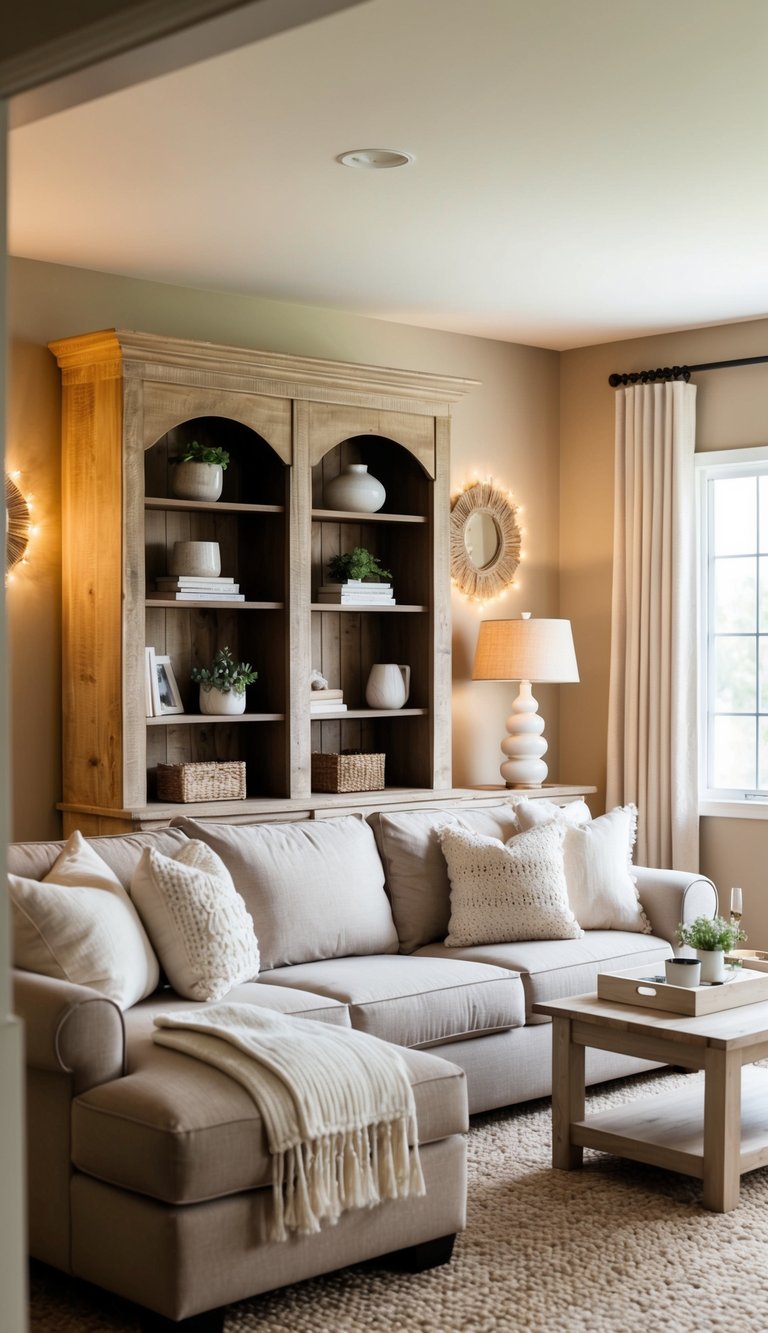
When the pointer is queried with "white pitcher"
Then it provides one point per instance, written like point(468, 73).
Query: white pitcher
point(388, 685)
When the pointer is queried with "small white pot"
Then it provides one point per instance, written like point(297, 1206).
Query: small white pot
point(217, 703)
point(712, 964)
point(199, 559)
point(196, 481)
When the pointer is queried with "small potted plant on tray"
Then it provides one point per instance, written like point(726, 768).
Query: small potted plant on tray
point(222, 685)
point(198, 471)
point(358, 565)
point(712, 938)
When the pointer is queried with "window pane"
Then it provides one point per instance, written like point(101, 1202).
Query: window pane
point(733, 752)
point(735, 592)
point(763, 660)
point(763, 764)
point(735, 675)
point(735, 516)
point(763, 564)
point(763, 486)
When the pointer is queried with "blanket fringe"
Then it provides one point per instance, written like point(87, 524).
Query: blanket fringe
point(317, 1180)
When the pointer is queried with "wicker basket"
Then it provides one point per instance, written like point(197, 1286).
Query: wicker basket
point(351, 771)
point(201, 782)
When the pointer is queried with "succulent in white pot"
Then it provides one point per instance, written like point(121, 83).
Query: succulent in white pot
point(222, 685)
point(198, 472)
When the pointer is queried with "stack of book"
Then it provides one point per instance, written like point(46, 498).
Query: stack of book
point(194, 588)
point(356, 592)
point(326, 701)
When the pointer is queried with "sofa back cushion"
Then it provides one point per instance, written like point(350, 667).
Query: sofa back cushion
point(417, 877)
point(33, 860)
point(314, 889)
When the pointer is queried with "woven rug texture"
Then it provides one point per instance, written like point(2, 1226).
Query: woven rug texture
point(616, 1247)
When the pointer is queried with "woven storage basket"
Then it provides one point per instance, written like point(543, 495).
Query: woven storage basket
point(347, 772)
point(201, 782)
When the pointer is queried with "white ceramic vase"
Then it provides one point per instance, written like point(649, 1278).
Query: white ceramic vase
point(218, 703)
point(712, 964)
point(199, 559)
point(388, 685)
point(354, 489)
point(196, 481)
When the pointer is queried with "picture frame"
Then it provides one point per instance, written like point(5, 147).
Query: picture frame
point(149, 672)
point(165, 691)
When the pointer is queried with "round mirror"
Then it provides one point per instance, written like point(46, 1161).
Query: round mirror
point(485, 541)
point(16, 524)
point(481, 539)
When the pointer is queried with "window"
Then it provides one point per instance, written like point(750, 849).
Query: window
point(733, 532)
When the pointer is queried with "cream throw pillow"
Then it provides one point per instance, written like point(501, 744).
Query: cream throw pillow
point(507, 892)
point(602, 889)
point(196, 920)
point(79, 925)
point(532, 812)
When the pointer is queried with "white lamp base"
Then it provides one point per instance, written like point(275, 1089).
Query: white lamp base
point(524, 743)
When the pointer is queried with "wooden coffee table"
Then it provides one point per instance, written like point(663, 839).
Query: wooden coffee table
point(715, 1133)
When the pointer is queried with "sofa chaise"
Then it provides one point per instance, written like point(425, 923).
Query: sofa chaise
point(148, 1170)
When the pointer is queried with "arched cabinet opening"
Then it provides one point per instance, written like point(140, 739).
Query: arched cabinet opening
point(215, 579)
point(375, 628)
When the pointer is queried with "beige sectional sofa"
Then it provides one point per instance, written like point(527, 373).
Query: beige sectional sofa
point(148, 1171)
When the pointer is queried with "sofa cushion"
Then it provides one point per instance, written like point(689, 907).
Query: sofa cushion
point(512, 891)
point(410, 1001)
point(79, 925)
point(532, 812)
point(314, 889)
point(417, 878)
point(598, 869)
point(558, 969)
point(183, 1132)
point(196, 920)
point(121, 852)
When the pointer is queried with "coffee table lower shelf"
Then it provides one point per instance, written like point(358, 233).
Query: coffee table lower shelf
point(668, 1130)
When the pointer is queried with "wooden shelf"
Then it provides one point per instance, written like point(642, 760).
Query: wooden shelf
point(193, 719)
point(380, 610)
point(209, 506)
point(347, 516)
point(199, 603)
point(356, 714)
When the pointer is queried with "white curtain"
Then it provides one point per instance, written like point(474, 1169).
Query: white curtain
point(652, 711)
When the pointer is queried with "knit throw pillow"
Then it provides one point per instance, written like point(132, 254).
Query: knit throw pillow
point(196, 920)
point(78, 924)
point(505, 892)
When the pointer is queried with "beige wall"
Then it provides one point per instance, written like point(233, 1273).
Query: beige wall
point(507, 427)
point(732, 412)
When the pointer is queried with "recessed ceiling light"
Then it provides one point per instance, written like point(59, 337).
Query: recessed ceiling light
point(374, 159)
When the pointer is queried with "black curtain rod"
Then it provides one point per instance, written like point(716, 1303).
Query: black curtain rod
point(680, 372)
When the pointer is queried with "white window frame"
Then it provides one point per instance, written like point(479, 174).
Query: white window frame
point(734, 803)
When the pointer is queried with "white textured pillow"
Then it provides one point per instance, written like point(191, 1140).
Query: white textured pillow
point(530, 813)
point(196, 920)
point(598, 869)
point(507, 892)
point(79, 925)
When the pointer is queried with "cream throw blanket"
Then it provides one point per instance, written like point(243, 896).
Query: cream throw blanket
point(337, 1107)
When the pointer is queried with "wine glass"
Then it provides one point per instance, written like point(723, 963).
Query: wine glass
point(736, 905)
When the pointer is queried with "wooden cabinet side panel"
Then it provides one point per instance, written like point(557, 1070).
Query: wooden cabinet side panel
point(440, 703)
point(331, 423)
point(92, 591)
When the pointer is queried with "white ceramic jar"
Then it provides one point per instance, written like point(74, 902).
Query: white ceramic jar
point(388, 685)
point(197, 559)
point(218, 703)
point(196, 481)
point(355, 490)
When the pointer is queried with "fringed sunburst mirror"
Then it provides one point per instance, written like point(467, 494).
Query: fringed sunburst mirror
point(485, 541)
point(17, 525)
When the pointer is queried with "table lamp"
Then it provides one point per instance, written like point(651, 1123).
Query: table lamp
point(526, 650)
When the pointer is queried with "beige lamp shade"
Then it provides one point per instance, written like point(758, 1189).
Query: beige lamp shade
point(525, 649)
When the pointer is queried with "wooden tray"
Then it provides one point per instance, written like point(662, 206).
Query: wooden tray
point(641, 987)
point(755, 959)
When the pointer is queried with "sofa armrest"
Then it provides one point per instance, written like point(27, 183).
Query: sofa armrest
point(671, 896)
point(69, 1029)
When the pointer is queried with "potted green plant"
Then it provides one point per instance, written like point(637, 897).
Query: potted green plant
point(358, 564)
point(198, 471)
point(712, 937)
point(222, 685)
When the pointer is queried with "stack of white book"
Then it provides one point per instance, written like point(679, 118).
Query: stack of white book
point(326, 701)
point(356, 592)
point(194, 588)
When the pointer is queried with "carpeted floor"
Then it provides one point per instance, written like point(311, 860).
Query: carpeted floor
point(614, 1248)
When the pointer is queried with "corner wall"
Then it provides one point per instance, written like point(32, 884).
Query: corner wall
point(506, 427)
point(732, 412)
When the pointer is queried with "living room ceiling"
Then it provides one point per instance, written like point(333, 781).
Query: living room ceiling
point(583, 170)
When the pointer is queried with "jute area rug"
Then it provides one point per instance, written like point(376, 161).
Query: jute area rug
point(613, 1248)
